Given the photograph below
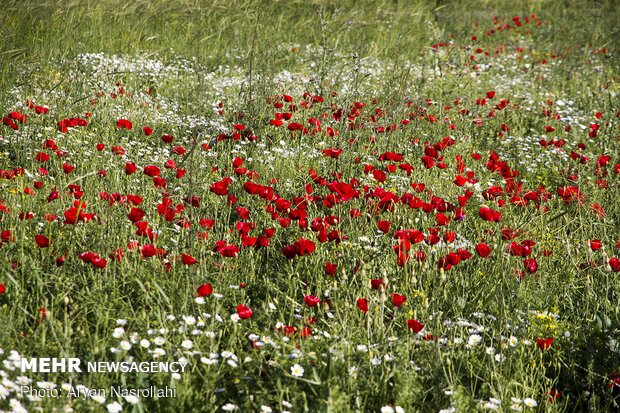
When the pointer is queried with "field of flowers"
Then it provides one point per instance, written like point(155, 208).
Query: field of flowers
point(315, 206)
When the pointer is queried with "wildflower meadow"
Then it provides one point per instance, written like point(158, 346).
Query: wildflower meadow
point(309, 206)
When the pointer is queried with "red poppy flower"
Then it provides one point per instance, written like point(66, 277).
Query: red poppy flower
point(448, 261)
point(229, 251)
point(595, 244)
point(42, 157)
point(88, 256)
point(130, 168)
point(205, 289)
point(99, 262)
point(151, 170)
point(2, 288)
point(311, 300)
point(188, 260)
point(42, 241)
point(220, 187)
point(117, 150)
point(362, 304)
point(377, 284)
point(460, 180)
point(379, 175)
point(489, 215)
point(483, 250)
point(136, 214)
point(148, 251)
point(544, 344)
point(333, 153)
point(244, 312)
point(147, 131)
point(415, 326)
point(402, 258)
point(384, 226)
point(243, 213)
point(330, 269)
point(530, 265)
point(116, 255)
point(123, 124)
point(553, 395)
point(207, 223)
point(304, 246)
point(398, 299)
point(428, 162)
point(449, 237)
point(442, 219)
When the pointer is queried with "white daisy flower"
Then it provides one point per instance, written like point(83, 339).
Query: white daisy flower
point(131, 399)
point(474, 340)
point(4, 392)
point(99, 399)
point(188, 344)
point(158, 352)
point(297, 370)
point(114, 407)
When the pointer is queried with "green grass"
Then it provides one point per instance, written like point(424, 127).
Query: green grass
point(482, 317)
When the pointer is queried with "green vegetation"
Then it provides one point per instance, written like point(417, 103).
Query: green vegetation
point(319, 206)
